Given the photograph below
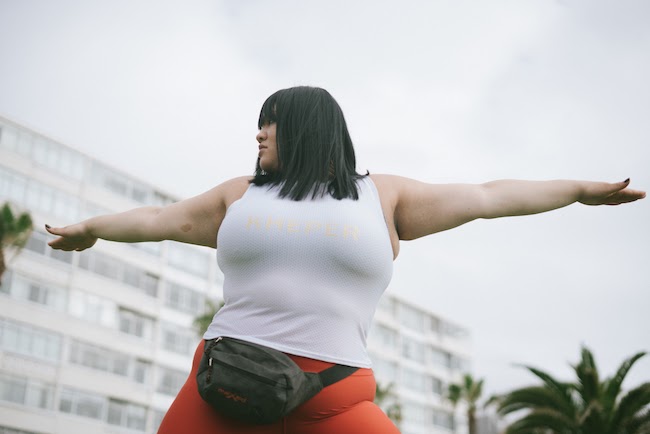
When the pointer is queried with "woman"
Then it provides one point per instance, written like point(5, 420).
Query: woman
point(306, 247)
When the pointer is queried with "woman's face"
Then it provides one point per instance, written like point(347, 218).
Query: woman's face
point(268, 154)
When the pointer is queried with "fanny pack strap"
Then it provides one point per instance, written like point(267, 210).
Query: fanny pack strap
point(336, 373)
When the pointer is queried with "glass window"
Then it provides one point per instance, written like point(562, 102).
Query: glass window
point(414, 380)
point(115, 269)
point(25, 391)
point(413, 350)
point(158, 416)
point(37, 243)
point(8, 137)
point(126, 414)
point(178, 339)
point(412, 318)
point(93, 308)
point(29, 341)
point(24, 144)
point(443, 419)
point(22, 288)
point(13, 389)
point(141, 371)
point(82, 403)
point(135, 324)
point(188, 258)
point(439, 357)
point(386, 337)
point(417, 413)
point(170, 381)
point(185, 299)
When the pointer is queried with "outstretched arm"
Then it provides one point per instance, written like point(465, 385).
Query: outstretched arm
point(422, 209)
point(195, 221)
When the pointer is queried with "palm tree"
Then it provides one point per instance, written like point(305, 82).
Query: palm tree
point(587, 406)
point(394, 410)
point(14, 233)
point(469, 390)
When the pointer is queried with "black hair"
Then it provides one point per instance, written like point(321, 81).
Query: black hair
point(315, 151)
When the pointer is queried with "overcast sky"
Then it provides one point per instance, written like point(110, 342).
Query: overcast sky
point(441, 91)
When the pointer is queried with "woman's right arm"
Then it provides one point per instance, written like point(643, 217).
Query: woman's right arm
point(195, 221)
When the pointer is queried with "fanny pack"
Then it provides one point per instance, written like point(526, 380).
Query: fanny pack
point(257, 384)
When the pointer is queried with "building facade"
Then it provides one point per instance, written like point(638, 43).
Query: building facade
point(417, 354)
point(101, 341)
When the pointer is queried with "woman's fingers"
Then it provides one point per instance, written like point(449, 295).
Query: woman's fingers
point(610, 194)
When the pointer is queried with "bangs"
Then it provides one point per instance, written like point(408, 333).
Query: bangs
point(268, 113)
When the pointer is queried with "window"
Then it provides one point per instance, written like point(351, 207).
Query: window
point(104, 359)
point(170, 381)
point(58, 158)
point(417, 413)
point(30, 341)
point(158, 416)
point(413, 380)
point(443, 419)
point(12, 186)
point(178, 339)
point(120, 184)
point(115, 269)
point(439, 357)
point(127, 414)
point(412, 318)
point(141, 371)
point(82, 403)
point(384, 336)
point(8, 137)
point(135, 324)
point(188, 258)
point(22, 288)
point(413, 350)
point(25, 391)
point(185, 299)
point(93, 308)
point(37, 243)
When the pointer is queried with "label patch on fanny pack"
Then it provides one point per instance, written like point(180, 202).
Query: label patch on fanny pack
point(231, 395)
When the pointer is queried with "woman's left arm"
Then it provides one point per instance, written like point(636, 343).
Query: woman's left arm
point(422, 209)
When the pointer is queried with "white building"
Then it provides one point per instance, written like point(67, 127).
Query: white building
point(101, 341)
point(419, 353)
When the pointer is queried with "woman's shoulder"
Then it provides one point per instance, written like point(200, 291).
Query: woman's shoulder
point(233, 189)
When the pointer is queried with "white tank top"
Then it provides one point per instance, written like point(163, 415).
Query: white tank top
point(303, 277)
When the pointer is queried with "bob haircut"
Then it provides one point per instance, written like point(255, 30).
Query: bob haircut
point(315, 151)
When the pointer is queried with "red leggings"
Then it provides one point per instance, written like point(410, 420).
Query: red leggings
point(345, 407)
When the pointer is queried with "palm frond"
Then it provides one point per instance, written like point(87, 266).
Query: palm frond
point(542, 419)
point(454, 393)
point(639, 424)
point(536, 397)
point(612, 386)
point(592, 420)
point(562, 389)
point(630, 405)
point(587, 374)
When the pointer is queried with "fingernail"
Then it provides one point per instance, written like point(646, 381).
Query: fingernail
point(627, 180)
point(47, 226)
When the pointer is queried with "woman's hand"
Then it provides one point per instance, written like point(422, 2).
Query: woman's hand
point(74, 237)
point(602, 193)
